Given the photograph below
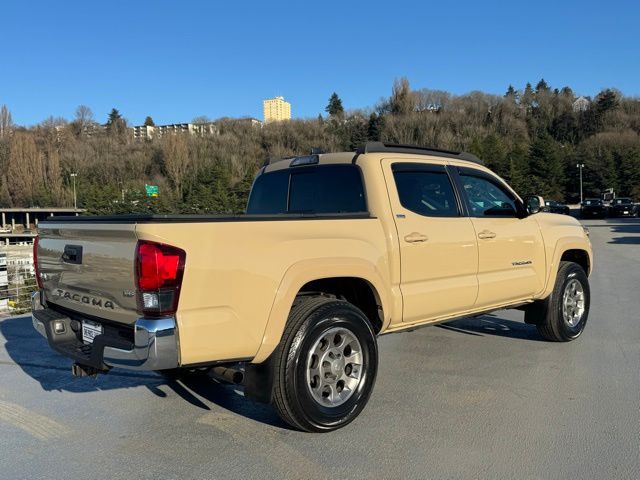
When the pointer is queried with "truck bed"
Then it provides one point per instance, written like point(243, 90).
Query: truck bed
point(235, 267)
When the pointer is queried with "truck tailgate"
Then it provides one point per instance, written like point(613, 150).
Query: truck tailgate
point(89, 268)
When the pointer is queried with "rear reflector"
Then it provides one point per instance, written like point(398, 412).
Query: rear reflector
point(159, 271)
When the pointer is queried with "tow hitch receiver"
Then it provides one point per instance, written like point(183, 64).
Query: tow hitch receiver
point(79, 370)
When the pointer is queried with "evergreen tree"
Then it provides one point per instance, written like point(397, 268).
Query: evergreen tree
point(375, 127)
point(606, 101)
point(545, 166)
point(116, 125)
point(542, 86)
point(114, 117)
point(567, 92)
point(148, 122)
point(628, 170)
point(518, 176)
point(526, 100)
point(492, 150)
point(334, 108)
point(511, 94)
point(593, 119)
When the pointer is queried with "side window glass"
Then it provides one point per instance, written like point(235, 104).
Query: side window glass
point(487, 198)
point(426, 193)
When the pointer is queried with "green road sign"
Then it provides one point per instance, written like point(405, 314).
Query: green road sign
point(152, 190)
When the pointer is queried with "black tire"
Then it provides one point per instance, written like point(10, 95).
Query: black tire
point(550, 320)
point(309, 319)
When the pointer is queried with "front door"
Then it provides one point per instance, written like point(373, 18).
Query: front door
point(511, 263)
point(438, 246)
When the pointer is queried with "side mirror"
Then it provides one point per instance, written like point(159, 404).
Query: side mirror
point(533, 203)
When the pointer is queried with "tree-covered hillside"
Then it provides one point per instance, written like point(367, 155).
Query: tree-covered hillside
point(533, 137)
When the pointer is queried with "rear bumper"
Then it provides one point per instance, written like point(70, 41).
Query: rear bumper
point(154, 345)
point(622, 213)
point(593, 213)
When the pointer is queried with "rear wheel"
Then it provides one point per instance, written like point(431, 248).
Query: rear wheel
point(562, 317)
point(325, 366)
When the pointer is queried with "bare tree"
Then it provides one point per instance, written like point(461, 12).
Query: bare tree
point(25, 169)
point(83, 115)
point(6, 122)
point(403, 100)
point(201, 119)
point(432, 100)
point(175, 153)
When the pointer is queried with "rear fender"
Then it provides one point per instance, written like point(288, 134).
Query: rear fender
point(306, 271)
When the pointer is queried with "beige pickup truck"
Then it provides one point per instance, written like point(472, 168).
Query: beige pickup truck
point(334, 250)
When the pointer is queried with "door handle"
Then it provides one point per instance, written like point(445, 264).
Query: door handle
point(415, 237)
point(485, 234)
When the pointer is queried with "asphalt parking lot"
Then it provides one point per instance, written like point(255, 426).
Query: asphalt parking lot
point(483, 397)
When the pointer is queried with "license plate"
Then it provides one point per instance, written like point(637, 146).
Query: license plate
point(90, 330)
point(626, 212)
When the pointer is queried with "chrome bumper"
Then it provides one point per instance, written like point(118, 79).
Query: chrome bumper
point(155, 344)
point(155, 347)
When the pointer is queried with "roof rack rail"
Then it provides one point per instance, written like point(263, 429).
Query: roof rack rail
point(271, 160)
point(380, 147)
point(314, 151)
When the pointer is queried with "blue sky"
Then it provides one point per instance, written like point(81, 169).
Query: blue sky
point(177, 60)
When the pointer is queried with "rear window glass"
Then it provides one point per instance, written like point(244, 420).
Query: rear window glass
point(426, 193)
point(269, 193)
point(318, 189)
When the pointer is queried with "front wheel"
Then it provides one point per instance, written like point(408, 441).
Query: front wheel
point(565, 312)
point(325, 366)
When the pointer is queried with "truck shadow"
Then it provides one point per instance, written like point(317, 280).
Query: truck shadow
point(31, 352)
point(491, 324)
point(625, 240)
point(632, 227)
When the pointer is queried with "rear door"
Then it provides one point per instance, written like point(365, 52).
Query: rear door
point(438, 247)
point(511, 250)
point(88, 267)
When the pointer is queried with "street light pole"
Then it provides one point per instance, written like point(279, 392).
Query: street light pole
point(580, 166)
point(75, 203)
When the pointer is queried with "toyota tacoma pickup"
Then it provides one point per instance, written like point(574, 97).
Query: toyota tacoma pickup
point(334, 250)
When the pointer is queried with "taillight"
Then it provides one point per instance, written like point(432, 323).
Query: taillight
point(36, 240)
point(159, 270)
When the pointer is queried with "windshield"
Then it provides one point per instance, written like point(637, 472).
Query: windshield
point(621, 201)
point(592, 202)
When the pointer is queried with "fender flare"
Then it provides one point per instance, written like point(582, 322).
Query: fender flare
point(561, 246)
point(306, 271)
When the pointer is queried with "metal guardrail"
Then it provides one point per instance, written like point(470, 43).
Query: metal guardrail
point(17, 278)
point(18, 298)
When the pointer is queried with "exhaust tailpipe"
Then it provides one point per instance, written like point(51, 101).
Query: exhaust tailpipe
point(228, 374)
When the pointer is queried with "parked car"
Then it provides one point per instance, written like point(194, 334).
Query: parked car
point(552, 206)
point(623, 207)
point(593, 208)
point(299, 289)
